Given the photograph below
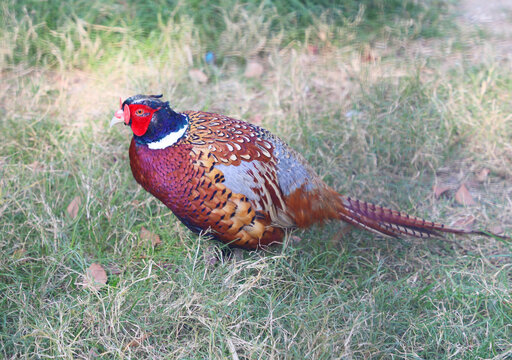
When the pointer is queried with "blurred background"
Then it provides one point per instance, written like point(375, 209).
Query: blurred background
point(403, 103)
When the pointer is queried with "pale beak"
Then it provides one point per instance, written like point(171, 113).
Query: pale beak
point(118, 118)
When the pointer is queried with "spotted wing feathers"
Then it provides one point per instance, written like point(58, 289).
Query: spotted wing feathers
point(230, 141)
point(257, 164)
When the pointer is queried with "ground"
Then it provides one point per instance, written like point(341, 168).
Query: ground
point(388, 115)
point(494, 15)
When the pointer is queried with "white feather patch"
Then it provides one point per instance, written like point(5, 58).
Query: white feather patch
point(168, 140)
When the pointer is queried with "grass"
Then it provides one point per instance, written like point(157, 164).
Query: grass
point(381, 109)
point(92, 32)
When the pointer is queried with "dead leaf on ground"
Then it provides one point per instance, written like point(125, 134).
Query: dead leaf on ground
point(463, 197)
point(253, 69)
point(256, 119)
point(146, 235)
point(440, 189)
point(36, 166)
point(74, 206)
point(295, 239)
point(368, 55)
point(482, 175)
point(465, 223)
point(312, 49)
point(198, 75)
point(95, 277)
point(136, 342)
point(497, 230)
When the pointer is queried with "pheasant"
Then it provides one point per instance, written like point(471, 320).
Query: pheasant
point(239, 182)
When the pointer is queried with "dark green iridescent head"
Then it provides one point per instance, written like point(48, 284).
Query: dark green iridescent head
point(150, 118)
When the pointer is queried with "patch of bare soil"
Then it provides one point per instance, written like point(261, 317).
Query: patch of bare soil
point(494, 15)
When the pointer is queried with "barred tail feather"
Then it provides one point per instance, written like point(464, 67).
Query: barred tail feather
point(393, 223)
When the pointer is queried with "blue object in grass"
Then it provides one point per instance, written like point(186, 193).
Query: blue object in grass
point(209, 57)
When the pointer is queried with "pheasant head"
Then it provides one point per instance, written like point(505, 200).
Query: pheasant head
point(152, 120)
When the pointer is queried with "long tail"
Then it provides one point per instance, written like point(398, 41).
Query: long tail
point(393, 223)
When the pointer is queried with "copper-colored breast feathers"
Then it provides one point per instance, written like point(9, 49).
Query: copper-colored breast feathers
point(190, 178)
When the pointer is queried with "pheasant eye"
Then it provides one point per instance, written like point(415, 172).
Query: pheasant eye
point(139, 112)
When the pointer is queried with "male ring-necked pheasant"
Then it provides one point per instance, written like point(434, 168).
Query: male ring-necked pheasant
point(240, 182)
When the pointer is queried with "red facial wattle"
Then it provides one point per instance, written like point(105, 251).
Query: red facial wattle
point(126, 114)
point(139, 122)
point(138, 116)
